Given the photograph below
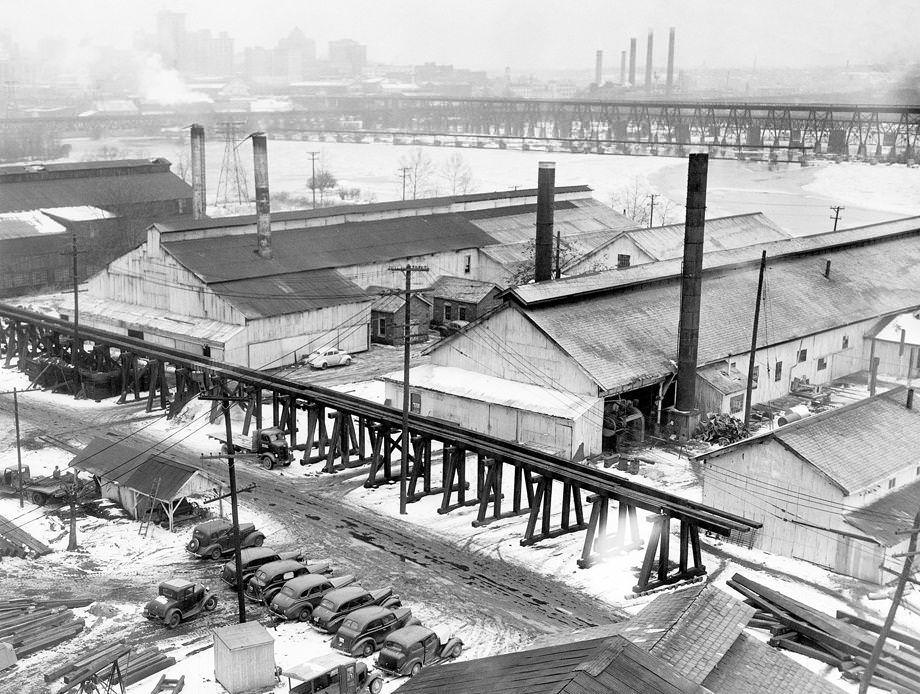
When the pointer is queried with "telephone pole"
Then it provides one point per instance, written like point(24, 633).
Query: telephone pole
point(74, 353)
point(313, 177)
point(404, 169)
point(18, 444)
point(836, 209)
point(651, 213)
point(234, 512)
point(407, 334)
point(909, 555)
point(750, 378)
point(72, 542)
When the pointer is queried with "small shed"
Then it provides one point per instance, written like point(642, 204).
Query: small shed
point(388, 318)
point(244, 657)
point(461, 298)
point(136, 478)
point(720, 387)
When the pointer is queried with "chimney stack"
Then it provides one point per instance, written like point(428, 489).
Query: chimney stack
point(546, 190)
point(599, 68)
point(690, 291)
point(910, 398)
point(648, 61)
point(199, 189)
point(263, 208)
point(622, 67)
point(827, 269)
point(670, 82)
point(632, 62)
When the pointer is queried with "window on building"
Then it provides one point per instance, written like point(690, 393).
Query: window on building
point(803, 355)
point(64, 316)
point(468, 264)
point(139, 334)
point(448, 312)
point(623, 260)
point(822, 363)
point(845, 343)
point(415, 402)
point(181, 206)
point(778, 374)
point(892, 482)
point(755, 377)
point(736, 403)
point(461, 312)
point(206, 351)
point(381, 327)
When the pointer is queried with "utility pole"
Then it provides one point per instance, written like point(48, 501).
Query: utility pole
point(407, 333)
point(651, 213)
point(234, 512)
point(750, 377)
point(558, 244)
point(18, 444)
point(836, 210)
point(313, 177)
point(404, 170)
point(909, 555)
point(74, 352)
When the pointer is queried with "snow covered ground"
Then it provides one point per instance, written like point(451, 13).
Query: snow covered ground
point(893, 187)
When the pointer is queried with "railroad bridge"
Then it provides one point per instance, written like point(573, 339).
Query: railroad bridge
point(343, 431)
point(859, 130)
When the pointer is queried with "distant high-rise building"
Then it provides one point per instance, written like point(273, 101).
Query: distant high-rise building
point(348, 56)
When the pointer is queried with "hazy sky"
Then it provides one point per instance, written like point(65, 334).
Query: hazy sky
point(537, 34)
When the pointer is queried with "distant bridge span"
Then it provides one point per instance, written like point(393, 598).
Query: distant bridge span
point(881, 131)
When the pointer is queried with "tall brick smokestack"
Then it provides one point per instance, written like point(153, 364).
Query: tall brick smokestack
point(632, 62)
point(670, 82)
point(263, 208)
point(648, 60)
point(199, 189)
point(546, 190)
point(691, 283)
point(599, 68)
point(622, 67)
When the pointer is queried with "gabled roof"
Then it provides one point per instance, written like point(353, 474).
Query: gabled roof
point(291, 293)
point(888, 514)
point(460, 289)
point(597, 666)
point(145, 472)
point(854, 446)
point(889, 330)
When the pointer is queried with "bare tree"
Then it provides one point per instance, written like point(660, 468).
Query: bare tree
point(419, 172)
point(457, 174)
point(323, 181)
point(523, 273)
point(634, 201)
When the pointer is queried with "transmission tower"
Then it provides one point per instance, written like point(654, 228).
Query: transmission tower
point(231, 181)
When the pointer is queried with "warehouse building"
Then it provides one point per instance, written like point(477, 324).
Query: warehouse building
point(613, 336)
point(106, 204)
point(824, 486)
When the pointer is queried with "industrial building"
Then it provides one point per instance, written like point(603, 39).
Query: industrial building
point(458, 298)
point(824, 486)
point(106, 204)
point(603, 337)
point(388, 317)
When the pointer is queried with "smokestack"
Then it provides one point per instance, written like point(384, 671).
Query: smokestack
point(691, 283)
point(546, 190)
point(599, 68)
point(622, 67)
point(263, 208)
point(632, 62)
point(648, 61)
point(827, 269)
point(670, 82)
point(910, 398)
point(199, 189)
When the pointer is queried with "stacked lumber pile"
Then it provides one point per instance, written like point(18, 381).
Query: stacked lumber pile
point(106, 662)
point(31, 626)
point(845, 641)
point(17, 537)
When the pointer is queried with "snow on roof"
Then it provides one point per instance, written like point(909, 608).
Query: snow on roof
point(500, 391)
point(908, 322)
point(78, 213)
point(316, 666)
point(246, 635)
point(15, 225)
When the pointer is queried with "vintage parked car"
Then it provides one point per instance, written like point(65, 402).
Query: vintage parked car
point(270, 578)
point(408, 650)
point(321, 676)
point(328, 357)
point(364, 630)
point(302, 594)
point(214, 538)
point(339, 603)
point(252, 558)
point(451, 327)
point(179, 600)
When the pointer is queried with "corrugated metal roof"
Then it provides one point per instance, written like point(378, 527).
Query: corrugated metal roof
point(280, 295)
point(598, 666)
point(572, 288)
point(888, 514)
point(861, 444)
point(140, 470)
point(224, 258)
point(627, 336)
point(460, 289)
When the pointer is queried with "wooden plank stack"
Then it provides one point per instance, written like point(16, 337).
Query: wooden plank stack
point(16, 536)
point(31, 626)
point(845, 641)
point(134, 664)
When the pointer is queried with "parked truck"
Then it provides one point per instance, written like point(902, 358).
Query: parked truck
point(38, 489)
point(269, 445)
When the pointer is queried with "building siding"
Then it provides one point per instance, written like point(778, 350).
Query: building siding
point(452, 263)
point(606, 258)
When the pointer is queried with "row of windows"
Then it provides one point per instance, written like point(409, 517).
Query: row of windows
point(449, 312)
point(801, 357)
point(894, 480)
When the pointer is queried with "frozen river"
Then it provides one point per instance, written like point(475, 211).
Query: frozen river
point(797, 198)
